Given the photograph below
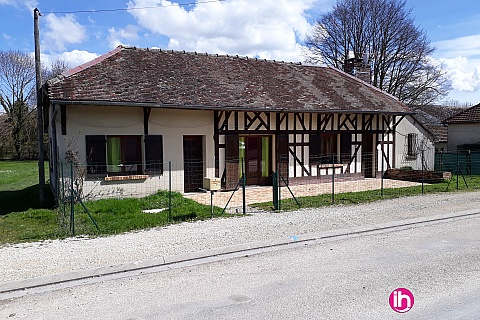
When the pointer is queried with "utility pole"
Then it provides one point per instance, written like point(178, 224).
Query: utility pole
point(41, 161)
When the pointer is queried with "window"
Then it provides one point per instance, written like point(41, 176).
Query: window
point(323, 148)
point(412, 146)
point(122, 155)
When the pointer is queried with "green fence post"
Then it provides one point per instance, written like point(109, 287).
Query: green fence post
point(383, 173)
point(64, 203)
point(275, 190)
point(243, 187)
point(72, 208)
point(333, 178)
point(169, 191)
point(423, 172)
point(458, 167)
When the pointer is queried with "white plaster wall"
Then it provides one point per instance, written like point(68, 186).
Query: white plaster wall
point(171, 124)
point(425, 141)
point(462, 133)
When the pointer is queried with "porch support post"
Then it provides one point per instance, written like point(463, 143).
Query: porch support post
point(63, 119)
point(216, 142)
point(146, 117)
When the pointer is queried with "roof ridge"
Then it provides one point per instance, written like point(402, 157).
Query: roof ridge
point(226, 55)
point(93, 62)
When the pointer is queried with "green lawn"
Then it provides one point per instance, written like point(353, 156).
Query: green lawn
point(115, 216)
point(21, 220)
point(19, 186)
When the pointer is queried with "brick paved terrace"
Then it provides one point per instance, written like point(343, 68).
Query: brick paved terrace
point(256, 194)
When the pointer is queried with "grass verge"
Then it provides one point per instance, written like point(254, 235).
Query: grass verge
point(322, 200)
point(115, 216)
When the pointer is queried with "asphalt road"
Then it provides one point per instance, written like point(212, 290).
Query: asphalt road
point(339, 279)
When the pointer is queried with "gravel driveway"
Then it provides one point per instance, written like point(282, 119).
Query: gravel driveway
point(24, 261)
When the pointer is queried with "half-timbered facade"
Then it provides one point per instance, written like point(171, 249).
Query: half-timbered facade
point(133, 110)
point(302, 144)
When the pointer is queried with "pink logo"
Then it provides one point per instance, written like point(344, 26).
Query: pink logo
point(401, 300)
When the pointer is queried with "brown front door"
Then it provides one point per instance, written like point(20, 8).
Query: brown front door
point(193, 163)
point(257, 159)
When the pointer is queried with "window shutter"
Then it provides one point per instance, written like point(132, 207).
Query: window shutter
point(154, 154)
point(231, 161)
point(96, 154)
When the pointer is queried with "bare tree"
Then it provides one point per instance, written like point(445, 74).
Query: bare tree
point(56, 68)
point(17, 95)
point(17, 79)
point(456, 103)
point(383, 30)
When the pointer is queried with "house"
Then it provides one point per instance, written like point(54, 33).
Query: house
point(463, 155)
point(133, 111)
point(464, 129)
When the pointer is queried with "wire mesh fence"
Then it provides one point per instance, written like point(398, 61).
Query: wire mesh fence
point(333, 182)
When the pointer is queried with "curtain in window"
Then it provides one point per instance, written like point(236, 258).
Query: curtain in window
point(114, 155)
point(265, 157)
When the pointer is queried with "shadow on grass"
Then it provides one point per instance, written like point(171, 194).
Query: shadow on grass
point(22, 200)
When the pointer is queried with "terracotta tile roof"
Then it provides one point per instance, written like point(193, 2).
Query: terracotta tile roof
point(179, 79)
point(470, 115)
point(431, 117)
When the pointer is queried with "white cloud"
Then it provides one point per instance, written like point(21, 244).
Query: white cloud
point(30, 4)
point(267, 28)
point(62, 31)
point(72, 58)
point(117, 37)
point(462, 46)
point(461, 58)
point(464, 73)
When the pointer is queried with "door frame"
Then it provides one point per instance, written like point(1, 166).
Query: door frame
point(193, 176)
point(255, 178)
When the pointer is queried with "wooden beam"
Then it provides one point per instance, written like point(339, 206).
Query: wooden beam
point(146, 117)
point(299, 162)
point(63, 119)
point(216, 141)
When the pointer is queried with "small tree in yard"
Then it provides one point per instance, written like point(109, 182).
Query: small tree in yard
point(17, 84)
point(17, 97)
point(382, 29)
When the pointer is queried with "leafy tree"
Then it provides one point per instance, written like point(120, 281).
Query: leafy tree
point(400, 52)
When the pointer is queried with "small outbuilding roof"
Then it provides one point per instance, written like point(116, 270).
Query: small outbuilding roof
point(432, 116)
point(470, 115)
point(159, 78)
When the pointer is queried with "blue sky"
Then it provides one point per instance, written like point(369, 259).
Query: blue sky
point(272, 29)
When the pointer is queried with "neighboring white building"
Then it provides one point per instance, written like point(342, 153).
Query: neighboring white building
point(464, 129)
point(130, 112)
